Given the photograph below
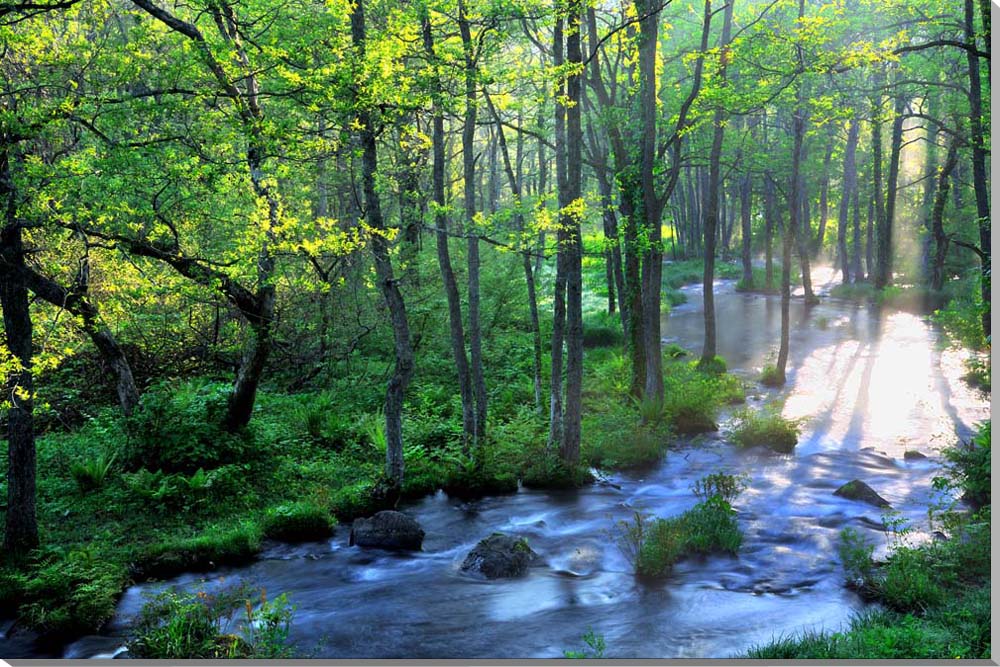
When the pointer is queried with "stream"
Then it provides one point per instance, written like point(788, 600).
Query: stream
point(869, 385)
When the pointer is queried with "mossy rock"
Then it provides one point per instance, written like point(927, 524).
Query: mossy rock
point(388, 529)
point(500, 556)
point(858, 490)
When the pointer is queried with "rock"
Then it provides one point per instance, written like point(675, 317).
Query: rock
point(913, 455)
point(858, 490)
point(499, 556)
point(388, 529)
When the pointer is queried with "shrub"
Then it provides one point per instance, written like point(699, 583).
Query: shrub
point(230, 623)
point(91, 474)
point(721, 485)
point(71, 595)
point(770, 377)
point(969, 467)
point(652, 546)
point(298, 522)
point(715, 366)
point(690, 403)
point(617, 440)
point(765, 427)
point(180, 429)
point(856, 555)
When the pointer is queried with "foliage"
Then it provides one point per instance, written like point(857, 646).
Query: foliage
point(720, 484)
point(595, 647)
point(233, 622)
point(692, 399)
point(602, 330)
point(179, 429)
point(770, 377)
point(653, 545)
point(91, 473)
point(765, 427)
point(297, 522)
point(969, 467)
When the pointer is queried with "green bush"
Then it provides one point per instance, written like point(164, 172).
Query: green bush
point(969, 467)
point(298, 522)
point(691, 402)
point(765, 427)
point(70, 595)
point(770, 377)
point(179, 428)
point(653, 546)
point(548, 471)
point(178, 625)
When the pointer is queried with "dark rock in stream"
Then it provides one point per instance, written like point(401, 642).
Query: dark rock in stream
point(913, 455)
point(499, 556)
point(388, 529)
point(858, 490)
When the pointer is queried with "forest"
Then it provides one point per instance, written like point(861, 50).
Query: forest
point(495, 329)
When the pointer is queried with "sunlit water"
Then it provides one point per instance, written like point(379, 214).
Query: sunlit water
point(869, 387)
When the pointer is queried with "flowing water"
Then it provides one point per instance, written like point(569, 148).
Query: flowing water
point(870, 385)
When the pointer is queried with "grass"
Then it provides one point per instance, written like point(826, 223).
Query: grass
point(653, 546)
point(753, 428)
point(298, 522)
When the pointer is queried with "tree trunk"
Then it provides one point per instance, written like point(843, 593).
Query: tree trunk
point(469, 175)
point(559, 298)
point(652, 259)
point(712, 197)
point(824, 194)
point(883, 258)
point(879, 202)
point(403, 370)
point(979, 182)
point(456, 327)
point(937, 218)
point(848, 185)
point(569, 450)
point(746, 231)
point(21, 533)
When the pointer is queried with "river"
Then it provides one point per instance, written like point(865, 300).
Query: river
point(870, 385)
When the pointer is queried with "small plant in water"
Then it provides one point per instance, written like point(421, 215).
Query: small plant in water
point(234, 622)
point(720, 484)
point(595, 647)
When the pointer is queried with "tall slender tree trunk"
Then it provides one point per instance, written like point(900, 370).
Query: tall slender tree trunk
point(569, 450)
point(824, 197)
point(746, 185)
point(712, 197)
point(883, 259)
point(848, 186)
point(979, 182)
point(403, 348)
point(559, 298)
point(469, 174)
point(879, 202)
point(856, 243)
point(456, 327)
point(652, 258)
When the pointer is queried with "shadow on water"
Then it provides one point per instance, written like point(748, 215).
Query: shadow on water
point(868, 386)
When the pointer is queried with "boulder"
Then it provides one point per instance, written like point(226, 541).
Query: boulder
point(913, 455)
point(858, 490)
point(388, 529)
point(499, 556)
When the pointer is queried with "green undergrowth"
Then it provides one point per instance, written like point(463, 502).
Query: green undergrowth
point(767, 428)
